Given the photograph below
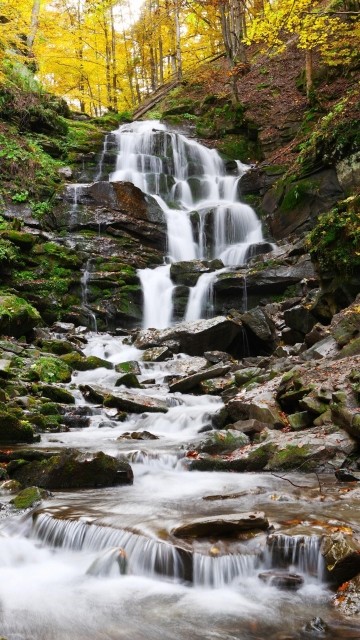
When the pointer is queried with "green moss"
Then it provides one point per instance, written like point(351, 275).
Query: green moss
point(295, 194)
point(27, 498)
point(48, 369)
point(334, 243)
point(291, 457)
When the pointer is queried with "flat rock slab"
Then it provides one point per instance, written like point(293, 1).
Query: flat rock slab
point(123, 400)
point(188, 383)
point(225, 525)
point(282, 580)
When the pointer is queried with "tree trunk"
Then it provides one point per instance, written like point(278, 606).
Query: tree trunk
point(34, 23)
point(178, 41)
point(309, 73)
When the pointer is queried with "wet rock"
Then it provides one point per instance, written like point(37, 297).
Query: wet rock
point(138, 435)
point(224, 525)
point(123, 400)
point(282, 580)
point(196, 337)
point(128, 380)
point(341, 555)
point(28, 497)
point(74, 470)
point(10, 486)
point(157, 354)
point(130, 366)
point(347, 598)
point(316, 628)
point(188, 273)
point(77, 417)
point(190, 382)
point(17, 316)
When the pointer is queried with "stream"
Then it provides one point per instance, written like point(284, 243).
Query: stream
point(104, 564)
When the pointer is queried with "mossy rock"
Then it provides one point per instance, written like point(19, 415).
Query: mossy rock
point(17, 317)
point(19, 238)
point(58, 347)
point(57, 394)
point(12, 429)
point(74, 470)
point(291, 457)
point(49, 369)
point(79, 362)
point(226, 440)
point(129, 380)
point(27, 498)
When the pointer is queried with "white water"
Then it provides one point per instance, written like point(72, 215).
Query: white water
point(185, 178)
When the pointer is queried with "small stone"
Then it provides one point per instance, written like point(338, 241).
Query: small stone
point(282, 580)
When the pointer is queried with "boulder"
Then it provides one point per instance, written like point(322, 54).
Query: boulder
point(220, 441)
point(224, 525)
point(259, 323)
point(17, 317)
point(194, 338)
point(258, 404)
point(156, 354)
point(74, 470)
point(79, 362)
point(132, 366)
point(27, 498)
point(188, 273)
point(190, 382)
point(299, 318)
point(128, 380)
point(123, 400)
point(341, 556)
point(347, 598)
point(14, 430)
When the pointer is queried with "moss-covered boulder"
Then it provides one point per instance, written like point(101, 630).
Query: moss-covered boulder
point(74, 470)
point(49, 369)
point(57, 394)
point(78, 362)
point(12, 429)
point(17, 317)
point(27, 498)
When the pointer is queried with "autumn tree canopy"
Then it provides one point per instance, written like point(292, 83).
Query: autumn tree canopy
point(102, 54)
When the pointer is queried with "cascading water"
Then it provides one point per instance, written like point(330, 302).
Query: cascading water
point(190, 184)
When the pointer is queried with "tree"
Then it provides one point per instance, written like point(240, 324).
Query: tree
point(316, 27)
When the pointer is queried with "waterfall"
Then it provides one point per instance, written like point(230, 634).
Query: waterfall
point(84, 286)
point(204, 217)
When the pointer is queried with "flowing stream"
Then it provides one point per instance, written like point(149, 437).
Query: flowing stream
point(104, 564)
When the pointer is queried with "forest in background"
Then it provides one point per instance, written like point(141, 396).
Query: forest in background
point(103, 55)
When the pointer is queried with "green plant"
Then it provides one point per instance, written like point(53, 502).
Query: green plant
point(20, 196)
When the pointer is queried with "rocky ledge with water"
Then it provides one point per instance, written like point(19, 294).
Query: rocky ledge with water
point(256, 386)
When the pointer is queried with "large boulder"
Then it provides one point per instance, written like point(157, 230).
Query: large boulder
point(17, 317)
point(194, 338)
point(13, 430)
point(73, 470)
